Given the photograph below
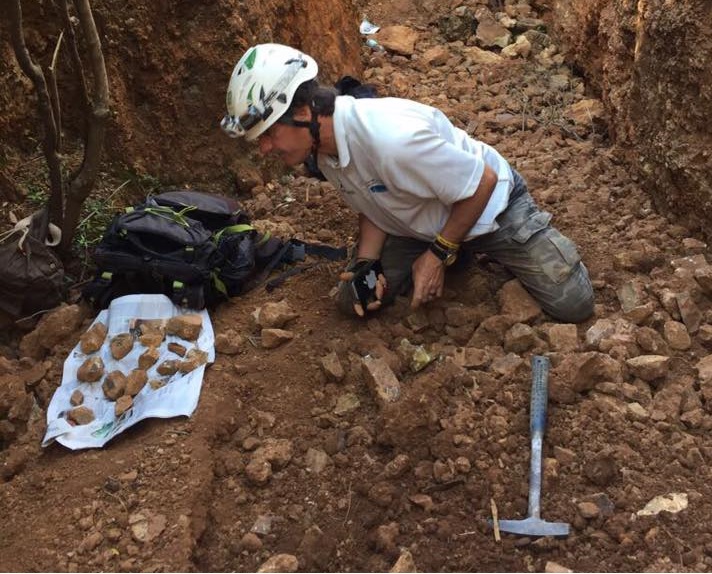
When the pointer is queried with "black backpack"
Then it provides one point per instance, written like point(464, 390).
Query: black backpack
point(154, 249)
point(196, 248)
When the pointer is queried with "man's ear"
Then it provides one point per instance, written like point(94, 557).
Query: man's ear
point(302, 113)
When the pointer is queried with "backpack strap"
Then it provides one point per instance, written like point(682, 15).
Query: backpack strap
point(188, 296)
point(101, 290)
point(272, 284)
point(276, 259)
point(300, 249)
point(237, 228)
point(297, 250)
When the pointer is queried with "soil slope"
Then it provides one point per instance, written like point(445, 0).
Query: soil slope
point(649, 60)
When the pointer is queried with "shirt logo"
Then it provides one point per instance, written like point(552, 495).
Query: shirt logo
point(375, 186)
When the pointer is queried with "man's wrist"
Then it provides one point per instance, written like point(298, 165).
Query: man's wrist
point(446, 255)
point(446, 243)
point(365, 258)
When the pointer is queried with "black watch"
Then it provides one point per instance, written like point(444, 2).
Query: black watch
point(447, 256)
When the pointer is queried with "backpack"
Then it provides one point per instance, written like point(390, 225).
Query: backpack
point(213, 211)
point(153, 249)
point(32, 277)
point(198, 249)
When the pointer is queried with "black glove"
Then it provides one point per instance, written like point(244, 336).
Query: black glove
point(367, 283)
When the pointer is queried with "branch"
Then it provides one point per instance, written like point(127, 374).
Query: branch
point(56, 108)
point(34, 72)
point(82, 184)
point(74, 51)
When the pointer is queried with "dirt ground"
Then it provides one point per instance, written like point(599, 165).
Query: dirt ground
point(291, 453)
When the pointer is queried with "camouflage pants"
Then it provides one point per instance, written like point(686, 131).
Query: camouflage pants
point(545, 261)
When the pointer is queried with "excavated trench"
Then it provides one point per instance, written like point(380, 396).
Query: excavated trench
point(290, 456)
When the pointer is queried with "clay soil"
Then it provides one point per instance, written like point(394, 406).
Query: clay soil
point(366, 483)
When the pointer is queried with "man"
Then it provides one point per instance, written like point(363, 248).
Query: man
point(423, 189)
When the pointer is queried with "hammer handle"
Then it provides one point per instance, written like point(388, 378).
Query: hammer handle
point(540, 394)
point(537, 424)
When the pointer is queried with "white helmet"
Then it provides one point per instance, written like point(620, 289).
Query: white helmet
point(262, 86)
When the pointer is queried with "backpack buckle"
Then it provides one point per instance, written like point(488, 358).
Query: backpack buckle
point(188, 296)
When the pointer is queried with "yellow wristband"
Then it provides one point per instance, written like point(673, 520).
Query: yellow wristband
point(449, 244)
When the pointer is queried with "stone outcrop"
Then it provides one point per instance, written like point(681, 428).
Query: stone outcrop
point(650, 63)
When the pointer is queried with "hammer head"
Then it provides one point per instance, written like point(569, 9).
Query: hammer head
point(533, 526)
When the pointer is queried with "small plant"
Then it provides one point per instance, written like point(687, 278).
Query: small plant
point(36, 195)
point(97, 213)
point(141, 184)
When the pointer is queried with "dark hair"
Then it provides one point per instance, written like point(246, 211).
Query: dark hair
point(311, 94)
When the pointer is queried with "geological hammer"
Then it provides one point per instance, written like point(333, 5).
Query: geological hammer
point(533, 525)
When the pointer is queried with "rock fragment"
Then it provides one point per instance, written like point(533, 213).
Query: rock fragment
point(272, 454)
point(81, 415)
point(148, 358)
point(516, 301)
point(555, 568)
point(114, 385)
point(228, 343)
point(93, 339)
point(193, 360)
point(146, 526)
point(273, 338)
point(689, 311)
point(122, 404)
point(332, 367)
point(676, 335)
point(316, 460)
point(177, 348)
point(156, 384)
point(77, 398)
point(381, 379)
point(562, 337)
point(672, 502)
point(121, 345)
point(152, 339)
point(399, 39)
point(280, 563)
point(250, 542)
point(649, 367)
point(275, 315)
point(185, 326)
point(136, 380)
point(91, 370)
point(169, 367)
point(405, 562)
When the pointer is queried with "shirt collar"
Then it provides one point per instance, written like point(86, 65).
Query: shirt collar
point(342, 107)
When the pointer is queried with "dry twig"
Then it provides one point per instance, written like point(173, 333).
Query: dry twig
point(495, 520)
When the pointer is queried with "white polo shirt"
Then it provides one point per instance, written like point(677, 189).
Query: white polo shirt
point(403, 164)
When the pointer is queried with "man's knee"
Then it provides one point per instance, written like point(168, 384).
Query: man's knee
point(574, 298)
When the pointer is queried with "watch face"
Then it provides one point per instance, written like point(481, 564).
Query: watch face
point(445, 255)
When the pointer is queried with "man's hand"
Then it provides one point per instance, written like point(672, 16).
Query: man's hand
point(428, 278)
point(367, 283)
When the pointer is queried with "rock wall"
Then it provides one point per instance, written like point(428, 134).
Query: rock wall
point(650, 62)
point(168, 65)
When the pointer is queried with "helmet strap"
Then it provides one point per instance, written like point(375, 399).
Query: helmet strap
point(316, 137)
point(313, 125)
